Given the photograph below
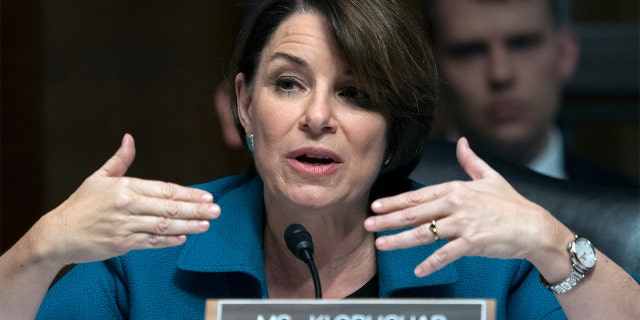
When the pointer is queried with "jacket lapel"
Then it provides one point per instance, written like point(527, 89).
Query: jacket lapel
point(395, 269)
point(233, 242)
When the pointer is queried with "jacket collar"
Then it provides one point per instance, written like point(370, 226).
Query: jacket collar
point(233, 243)
point(395, 269)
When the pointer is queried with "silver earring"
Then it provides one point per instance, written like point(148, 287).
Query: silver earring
point(387, 160)
point(250, 142)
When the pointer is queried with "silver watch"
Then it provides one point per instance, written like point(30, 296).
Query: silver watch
point(583, 259)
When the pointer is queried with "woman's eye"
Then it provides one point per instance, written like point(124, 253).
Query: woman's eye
point(357, 95)
point(287, 84)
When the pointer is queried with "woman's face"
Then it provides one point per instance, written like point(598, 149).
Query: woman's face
point(315, 143)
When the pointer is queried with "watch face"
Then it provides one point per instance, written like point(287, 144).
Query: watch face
point(585, 253)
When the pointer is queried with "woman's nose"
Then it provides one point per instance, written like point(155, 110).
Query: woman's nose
point(319, 115)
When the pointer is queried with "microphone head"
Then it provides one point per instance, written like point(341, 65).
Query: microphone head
point(299, 241)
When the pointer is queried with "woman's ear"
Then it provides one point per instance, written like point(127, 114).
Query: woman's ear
point(243, 95)
point(222, 104)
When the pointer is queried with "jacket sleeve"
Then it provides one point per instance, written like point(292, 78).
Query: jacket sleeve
point(528, 299)
point(87, 291)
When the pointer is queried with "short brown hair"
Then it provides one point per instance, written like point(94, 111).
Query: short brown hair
point(385, 45)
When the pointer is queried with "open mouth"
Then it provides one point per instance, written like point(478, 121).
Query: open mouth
point(314, 161)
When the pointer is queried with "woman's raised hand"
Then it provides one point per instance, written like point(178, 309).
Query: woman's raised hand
point(110, 215)
point(482, 217)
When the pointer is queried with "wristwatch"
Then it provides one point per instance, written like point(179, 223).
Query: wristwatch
point(583, 260)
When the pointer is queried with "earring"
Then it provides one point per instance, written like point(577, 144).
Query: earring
point(387, 160)
point(250, 142)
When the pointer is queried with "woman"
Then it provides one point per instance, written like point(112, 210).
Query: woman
point(332, 97)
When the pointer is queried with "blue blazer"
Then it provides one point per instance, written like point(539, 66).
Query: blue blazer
point(227, 262)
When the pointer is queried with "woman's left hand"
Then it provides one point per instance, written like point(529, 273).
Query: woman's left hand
point(482, 217)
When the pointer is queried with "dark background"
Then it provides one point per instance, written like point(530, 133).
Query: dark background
point(77, 75)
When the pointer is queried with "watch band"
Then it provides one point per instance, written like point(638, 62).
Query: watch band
point(566, 285)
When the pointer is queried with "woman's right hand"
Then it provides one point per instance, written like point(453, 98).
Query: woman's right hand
point(110, 215)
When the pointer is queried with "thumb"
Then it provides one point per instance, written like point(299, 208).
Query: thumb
point(475, 167)
point(119, 163)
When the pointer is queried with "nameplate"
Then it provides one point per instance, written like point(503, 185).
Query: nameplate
point(350, 309)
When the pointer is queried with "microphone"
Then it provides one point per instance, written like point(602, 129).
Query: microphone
point(300, 244)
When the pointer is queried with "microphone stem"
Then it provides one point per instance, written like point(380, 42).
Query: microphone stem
point(316, 278)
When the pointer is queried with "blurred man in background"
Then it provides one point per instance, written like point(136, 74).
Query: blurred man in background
point(504, 65)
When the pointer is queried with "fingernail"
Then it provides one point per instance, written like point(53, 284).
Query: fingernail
point(213, 210)
point(381, 242)
point(369, 223)
point(376, 205)
point(207, 197)
point(419, 272)
point(203, 224)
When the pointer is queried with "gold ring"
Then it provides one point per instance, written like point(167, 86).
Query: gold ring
point(433, 229)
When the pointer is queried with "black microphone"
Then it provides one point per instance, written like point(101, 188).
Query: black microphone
point(300, 244)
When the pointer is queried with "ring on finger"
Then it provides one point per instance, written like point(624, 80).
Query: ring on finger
point(434, 230)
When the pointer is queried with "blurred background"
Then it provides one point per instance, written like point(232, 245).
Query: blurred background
point(77, 75)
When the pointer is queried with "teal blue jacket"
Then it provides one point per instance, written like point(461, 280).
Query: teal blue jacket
point(227, 262)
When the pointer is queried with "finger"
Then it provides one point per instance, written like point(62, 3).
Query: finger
point(153, 241)
point(169, 191)
point(435, 205)
point(475, 167)
point(120, 162)
point(410, 199)
point(166, 226)
point(447, 254)
point(420, 235)
point(174, 209)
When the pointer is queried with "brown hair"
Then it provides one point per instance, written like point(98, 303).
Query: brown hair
point(385, 45)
